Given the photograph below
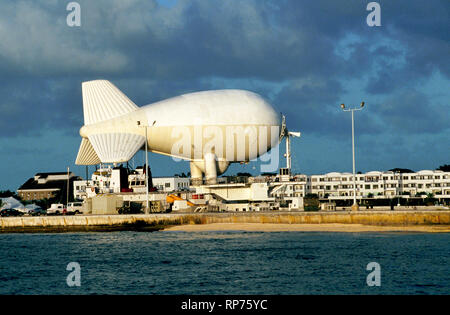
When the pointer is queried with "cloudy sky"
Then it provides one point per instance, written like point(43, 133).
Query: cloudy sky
point(306, 57)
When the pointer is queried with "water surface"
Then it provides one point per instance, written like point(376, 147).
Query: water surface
point(169, 262)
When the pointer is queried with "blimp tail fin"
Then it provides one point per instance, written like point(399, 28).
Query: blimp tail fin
point(102, 100)
point(86, 154)
point(116, 147)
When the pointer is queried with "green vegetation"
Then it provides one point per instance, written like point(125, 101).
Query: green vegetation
point(183, 175)
point(311, 208)
point(429, 200)
point(444, 168)
point(401, 170)
point(8, 193)
point(311, 202)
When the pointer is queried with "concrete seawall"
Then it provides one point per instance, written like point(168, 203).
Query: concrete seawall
point(160, 221)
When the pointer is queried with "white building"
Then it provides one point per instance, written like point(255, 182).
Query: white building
point(166, 184)
point(169, 184)
point(109, 180)
point(371, 184)
point(280, 188)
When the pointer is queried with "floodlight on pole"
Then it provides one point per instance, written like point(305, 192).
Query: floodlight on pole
point(146, 166)
point(355, 206)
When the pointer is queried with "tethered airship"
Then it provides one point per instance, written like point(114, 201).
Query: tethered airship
point(211, 129)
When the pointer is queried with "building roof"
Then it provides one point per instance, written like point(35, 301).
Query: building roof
point(374, 173)
point(333, 174)
point(32, 184)
point(425, 172)
point(43, 175)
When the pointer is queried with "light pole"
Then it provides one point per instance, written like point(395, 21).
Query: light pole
point(68, 184)
point(399, 183)
point(355, 206)
point(146, 170)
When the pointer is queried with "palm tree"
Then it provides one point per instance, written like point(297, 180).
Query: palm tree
point(429, 199)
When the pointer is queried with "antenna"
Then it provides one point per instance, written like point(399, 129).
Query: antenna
point(68, 185)
point(287, 134)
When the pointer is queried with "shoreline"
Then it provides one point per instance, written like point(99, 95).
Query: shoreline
point(321, 227)
point(430, 221)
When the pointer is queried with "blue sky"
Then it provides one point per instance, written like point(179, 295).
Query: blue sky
point(306, 57)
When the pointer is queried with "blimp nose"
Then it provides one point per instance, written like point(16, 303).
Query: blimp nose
point(83, 132)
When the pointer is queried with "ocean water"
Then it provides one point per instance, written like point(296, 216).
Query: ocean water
point(168, 262)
